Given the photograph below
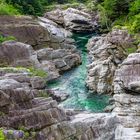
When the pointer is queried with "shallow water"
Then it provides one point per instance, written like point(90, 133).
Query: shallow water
point(73, 83)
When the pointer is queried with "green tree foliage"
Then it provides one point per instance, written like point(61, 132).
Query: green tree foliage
point(7, 9)
point(135, 7)
point(116, 8)
point(120, 12)
point(36, 7)
point(31, 7)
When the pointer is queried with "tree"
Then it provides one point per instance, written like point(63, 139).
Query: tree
point(31, 7)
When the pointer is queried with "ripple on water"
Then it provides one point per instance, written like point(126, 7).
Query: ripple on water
point(73, 83)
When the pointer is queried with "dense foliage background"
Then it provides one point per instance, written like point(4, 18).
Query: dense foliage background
point(30, 7)
point(113, 12)
point(120, 12)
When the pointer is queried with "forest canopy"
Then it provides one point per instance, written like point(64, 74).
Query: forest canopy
point(113, 12)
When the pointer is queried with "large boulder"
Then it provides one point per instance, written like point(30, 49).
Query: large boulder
point(37, 32)
point(62, 58)
point(25, 29)
point(105, 54)
point(77, 21)
point(72, 19)
point(17, 54)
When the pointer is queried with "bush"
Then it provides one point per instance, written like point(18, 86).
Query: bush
point(135, 24)
point(2, 137)
point(28, 7)
point(91, 6)
point(37, 72)
point(6, 9)
point(2, 38)
point(104, 20)
point(134, 8)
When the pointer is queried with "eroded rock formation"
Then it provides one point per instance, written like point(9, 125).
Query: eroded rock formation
point(105, 54)
point(52, 61)
point(73, 20)
point(21, 106)
point(30, 31)
point(127, 98)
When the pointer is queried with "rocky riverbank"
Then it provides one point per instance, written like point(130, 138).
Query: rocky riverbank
point(45, 45)
point(106, 52)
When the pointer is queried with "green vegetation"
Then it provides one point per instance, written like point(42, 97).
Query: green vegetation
point(7, 9)
point(131, 50)
point(37, 7)
point(123, 13)
point(43, 94)
point(3, 38)
point(33, 71)
point(2, 137)
point(27, 134)
point(37, 72)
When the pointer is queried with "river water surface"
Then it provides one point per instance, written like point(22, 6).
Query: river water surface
point(73, 83)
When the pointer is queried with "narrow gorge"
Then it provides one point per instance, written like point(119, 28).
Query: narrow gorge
point(62, 79)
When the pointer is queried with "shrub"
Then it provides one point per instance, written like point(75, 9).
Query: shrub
point(135, 7)
point(6, 9)
point(37, 72)
point(30, 7)
point(2, 137)
point(2, 38)
point(104, 20)
point(131, 50)
point(91, 6)
point(135, 24)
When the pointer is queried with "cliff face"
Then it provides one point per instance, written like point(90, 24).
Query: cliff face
point(105, 54)
point(126, 88)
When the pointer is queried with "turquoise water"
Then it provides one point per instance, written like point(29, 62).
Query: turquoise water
point(73, 83)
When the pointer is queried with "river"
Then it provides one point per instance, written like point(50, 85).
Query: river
point(73, 83)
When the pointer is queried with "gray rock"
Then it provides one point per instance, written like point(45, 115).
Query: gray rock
point(77, 21)
point(9, 84)
point(11, 52)
point(63, 59)
point(56, 16)
point(57, 95)
point(72, 19)
point(25, 29)
point(127, 98)
point(37, 82)
point(105, 54)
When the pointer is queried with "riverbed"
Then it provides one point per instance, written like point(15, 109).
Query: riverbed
point(73, 83)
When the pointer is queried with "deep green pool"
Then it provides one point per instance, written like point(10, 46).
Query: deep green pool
point(73, 83)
